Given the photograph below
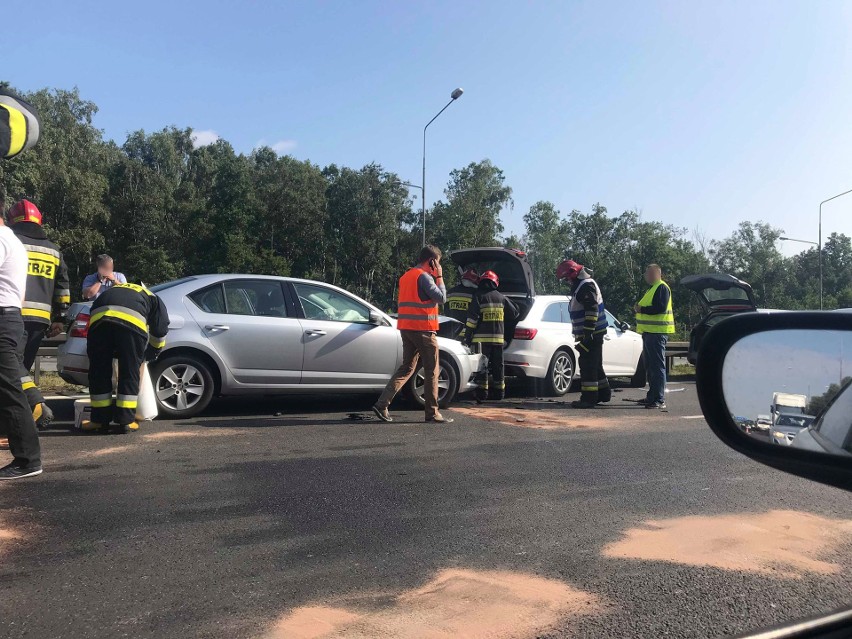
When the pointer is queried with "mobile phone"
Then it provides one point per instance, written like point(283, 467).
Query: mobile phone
point(433, 263)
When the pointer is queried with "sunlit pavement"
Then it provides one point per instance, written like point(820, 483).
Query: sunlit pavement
point(285, 518)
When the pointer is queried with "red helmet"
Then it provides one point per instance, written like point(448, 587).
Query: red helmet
point(24, 211)
point(471, 276)
point(490, 276)
point(568, 270)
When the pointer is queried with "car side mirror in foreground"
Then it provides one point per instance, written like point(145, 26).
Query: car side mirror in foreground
point(624, 326)
point(777, 387)
point(376, 319)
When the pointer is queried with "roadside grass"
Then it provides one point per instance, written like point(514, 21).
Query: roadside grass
point(682, 371)
point(53, 384)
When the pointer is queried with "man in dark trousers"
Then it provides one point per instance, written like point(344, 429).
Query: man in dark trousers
point(655, 322)
point(485, 326)
point(460, 296)
point(19, 130)
point(47, 298)
point(588, 318)
point(128, 322)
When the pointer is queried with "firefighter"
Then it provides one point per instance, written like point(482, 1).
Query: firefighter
point(128, 322)
point(47, 297)
point(485, 325)
point(459, 297)
point(589, 320)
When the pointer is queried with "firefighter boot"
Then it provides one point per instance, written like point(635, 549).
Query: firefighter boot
point(42, 416)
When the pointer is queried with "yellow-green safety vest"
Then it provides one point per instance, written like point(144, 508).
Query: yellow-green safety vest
point(661, 323)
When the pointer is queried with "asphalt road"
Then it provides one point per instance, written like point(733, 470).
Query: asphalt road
point(284, 518)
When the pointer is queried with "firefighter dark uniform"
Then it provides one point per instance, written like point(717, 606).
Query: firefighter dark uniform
point(486, 326)
point(460, 296)
point(48, 295)
point(590, 324)
point(128, 322)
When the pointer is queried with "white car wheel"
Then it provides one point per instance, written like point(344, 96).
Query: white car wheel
point(560, 374)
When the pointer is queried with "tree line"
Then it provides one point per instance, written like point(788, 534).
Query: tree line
point(165, 208)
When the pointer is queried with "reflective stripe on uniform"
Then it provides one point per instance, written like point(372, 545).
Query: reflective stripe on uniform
point(404, 316)
point(588, 388)
point(26, 311)
point(416, 304)
point(156, 342)
point(126, 401)
point(492, 338)
point(122, 313)
point(27, 382)
point(62, 296)
point(47, 251)
point(103, 400)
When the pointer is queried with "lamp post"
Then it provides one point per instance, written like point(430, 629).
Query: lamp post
point(820, 240)
point(790, 239)
point(455, 95)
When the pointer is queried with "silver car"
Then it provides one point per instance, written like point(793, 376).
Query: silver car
point(262, 335)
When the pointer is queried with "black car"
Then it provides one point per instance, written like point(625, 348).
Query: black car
point(721, 296)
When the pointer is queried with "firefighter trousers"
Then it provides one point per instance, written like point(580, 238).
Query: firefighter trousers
point(594, 385)
point(109, 340)
point(34, 396)
point(493, 383)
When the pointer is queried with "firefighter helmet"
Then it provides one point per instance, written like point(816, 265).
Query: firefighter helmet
point(24, 211)
point(490, 276)
point(568, 270)
point(471, 276)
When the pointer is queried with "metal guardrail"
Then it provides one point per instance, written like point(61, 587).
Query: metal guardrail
point(49, 348)
point(675, 350)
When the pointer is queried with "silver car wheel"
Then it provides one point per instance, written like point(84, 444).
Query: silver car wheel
point(443, 383)
point(563, 372)
point(180, 387)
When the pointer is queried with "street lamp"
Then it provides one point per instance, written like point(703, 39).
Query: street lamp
point(455, 95)
point(820, 240)
point(790, 239)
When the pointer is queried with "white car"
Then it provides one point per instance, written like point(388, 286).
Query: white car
point(264, 335)
point(540, 345)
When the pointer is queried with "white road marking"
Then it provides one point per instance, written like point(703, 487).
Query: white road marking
point(692, 416)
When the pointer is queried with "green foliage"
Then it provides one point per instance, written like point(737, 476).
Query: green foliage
point(166, 209)
point(819, 402)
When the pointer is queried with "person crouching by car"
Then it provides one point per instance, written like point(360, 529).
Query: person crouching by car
point(589, 321)
point(460, 296)
point(485, 326)
point(127, 322)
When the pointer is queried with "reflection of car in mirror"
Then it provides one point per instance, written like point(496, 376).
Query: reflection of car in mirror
point(786, 427)
point(831, 431)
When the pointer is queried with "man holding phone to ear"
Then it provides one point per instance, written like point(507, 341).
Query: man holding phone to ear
point(421, 289)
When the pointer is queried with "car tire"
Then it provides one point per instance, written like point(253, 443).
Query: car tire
point(640, 377)
point(191, 382)
point(560, 373)
point(448, 384)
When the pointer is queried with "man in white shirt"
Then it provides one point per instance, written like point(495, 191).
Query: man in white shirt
point(16, 420)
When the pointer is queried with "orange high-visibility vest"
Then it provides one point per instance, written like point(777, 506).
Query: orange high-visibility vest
point(414, 313)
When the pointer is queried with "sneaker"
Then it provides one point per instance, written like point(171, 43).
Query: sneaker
point(582, 405)
point(44, 419)
point(14, 471)
point(659, 405)
point(382, 413)
point(439, 419)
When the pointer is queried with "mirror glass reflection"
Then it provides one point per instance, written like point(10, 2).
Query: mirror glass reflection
point(793, 388)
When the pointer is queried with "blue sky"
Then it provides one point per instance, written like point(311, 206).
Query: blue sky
point(700, 114)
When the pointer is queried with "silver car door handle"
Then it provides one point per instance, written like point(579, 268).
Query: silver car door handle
point(217, 327)
point(316, 333)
